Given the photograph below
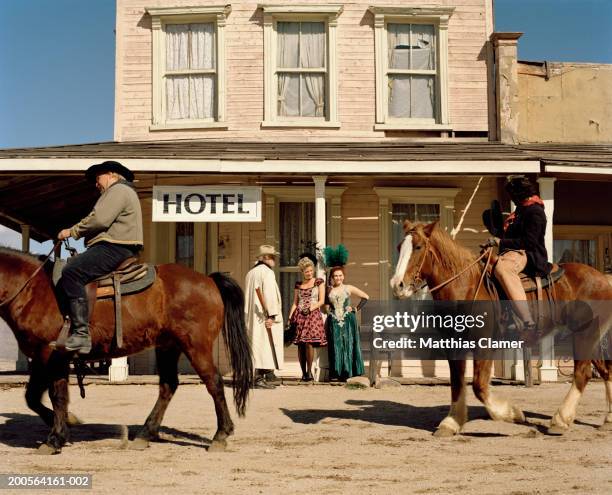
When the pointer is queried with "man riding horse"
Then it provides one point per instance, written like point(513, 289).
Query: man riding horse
point(112, 232)
point(522, 246)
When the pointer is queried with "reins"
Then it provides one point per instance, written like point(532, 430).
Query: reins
point(488, 252)
point(10, 299)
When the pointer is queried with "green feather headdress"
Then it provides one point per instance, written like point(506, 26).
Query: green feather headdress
point(337, 256)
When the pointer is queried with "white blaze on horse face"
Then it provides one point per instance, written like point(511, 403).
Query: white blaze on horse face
point(399, 289)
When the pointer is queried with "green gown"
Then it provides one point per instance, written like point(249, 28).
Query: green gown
point(345, 346)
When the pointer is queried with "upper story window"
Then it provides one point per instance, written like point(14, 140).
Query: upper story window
point(188, 67)
point(300, 66)
point(411, 72)
point(301, 69)
point(411, 67)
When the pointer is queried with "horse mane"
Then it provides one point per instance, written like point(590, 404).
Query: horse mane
point(453, 256)
point(27, 257)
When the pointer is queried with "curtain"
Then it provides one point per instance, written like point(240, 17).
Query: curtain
point(297, 231)
point(184, 243)
point(301, 45)
point(399, 213)
point(411, 47)
point(422, 213)
point(288, 57)
point(422, 97)
point(190, 46)
point(423, 53)
point(412, 96)
point(398, 46)
point(312, 55)
point(574, 251)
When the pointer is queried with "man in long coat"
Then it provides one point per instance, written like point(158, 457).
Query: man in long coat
point(262, 276)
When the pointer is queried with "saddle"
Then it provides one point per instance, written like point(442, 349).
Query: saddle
point(535, 285)
point(130, 277)
point(530, 284)
point(128, 273)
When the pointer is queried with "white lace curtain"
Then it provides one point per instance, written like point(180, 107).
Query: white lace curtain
point(301, 45)
point(190, 47)
point(411, 47)
point(297, 231)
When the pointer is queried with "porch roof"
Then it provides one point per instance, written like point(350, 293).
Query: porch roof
point(44, 187)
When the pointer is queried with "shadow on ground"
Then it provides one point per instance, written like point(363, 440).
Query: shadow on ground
point(391, 413)
point(28, 431)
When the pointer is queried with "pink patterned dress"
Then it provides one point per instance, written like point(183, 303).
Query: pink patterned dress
point(310, 328)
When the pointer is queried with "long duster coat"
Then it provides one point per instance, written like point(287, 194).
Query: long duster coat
point(262, 276)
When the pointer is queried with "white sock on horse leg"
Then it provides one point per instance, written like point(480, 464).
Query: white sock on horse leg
point(457, 416)
point(608, 385)
point(566, 413)
point(502, 409)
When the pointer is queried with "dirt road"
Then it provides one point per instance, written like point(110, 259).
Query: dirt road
point(319, 440)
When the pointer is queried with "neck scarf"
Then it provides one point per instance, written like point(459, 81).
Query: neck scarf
point(531, 200)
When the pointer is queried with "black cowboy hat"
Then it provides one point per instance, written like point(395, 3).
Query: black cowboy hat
point(493, 219)
point(108, 166)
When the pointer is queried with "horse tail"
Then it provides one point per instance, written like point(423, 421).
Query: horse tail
point(236, 339)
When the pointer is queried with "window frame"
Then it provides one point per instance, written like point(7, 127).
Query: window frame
point(160, 18)
point(439, 18)
point(600, 234)
point(442, 196)
point(272, 14)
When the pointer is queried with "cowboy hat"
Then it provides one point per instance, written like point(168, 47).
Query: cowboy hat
point(108, 166)
point(267, 250)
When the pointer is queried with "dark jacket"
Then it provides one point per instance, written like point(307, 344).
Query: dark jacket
point(527, 232)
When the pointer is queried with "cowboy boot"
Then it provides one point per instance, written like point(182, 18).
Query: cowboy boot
point(79, 339)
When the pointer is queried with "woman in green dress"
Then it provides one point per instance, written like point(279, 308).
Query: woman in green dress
point(345, 346)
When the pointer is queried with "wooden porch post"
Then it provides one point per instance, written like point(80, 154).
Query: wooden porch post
point(321, 365)
point(22, 363)
point(547, 372)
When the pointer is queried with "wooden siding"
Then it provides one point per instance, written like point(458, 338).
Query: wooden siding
point(244, 55)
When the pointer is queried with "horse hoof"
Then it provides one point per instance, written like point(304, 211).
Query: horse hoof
point(444, 432)
point(46, 449)
point(217, 446)
point(556, 430)
point(124, 441)
point(519, 416)
point(139, 444)
point(606, 427)
point(73, 420)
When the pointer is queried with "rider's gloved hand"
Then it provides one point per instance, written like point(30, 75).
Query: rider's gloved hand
point(491, 242)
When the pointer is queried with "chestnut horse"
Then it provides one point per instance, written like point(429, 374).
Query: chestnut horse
point(182, 312)
point(429, 254)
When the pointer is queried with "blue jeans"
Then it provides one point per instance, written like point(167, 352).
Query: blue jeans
point(98, 260)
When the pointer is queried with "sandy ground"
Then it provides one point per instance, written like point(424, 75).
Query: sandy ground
point(321, 440)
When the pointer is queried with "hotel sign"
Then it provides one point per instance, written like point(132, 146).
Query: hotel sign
point(206, 204)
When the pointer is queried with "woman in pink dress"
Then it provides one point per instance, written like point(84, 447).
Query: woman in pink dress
point(309, 296)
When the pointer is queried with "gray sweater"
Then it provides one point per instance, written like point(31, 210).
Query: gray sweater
point(116, 218)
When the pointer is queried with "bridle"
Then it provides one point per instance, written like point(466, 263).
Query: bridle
point(10, 299)
point(417, 281)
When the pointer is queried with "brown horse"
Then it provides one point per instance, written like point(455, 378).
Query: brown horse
point(182, 312)
point(429, 254)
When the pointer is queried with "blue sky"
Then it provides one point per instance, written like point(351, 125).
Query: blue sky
point(57, 76)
